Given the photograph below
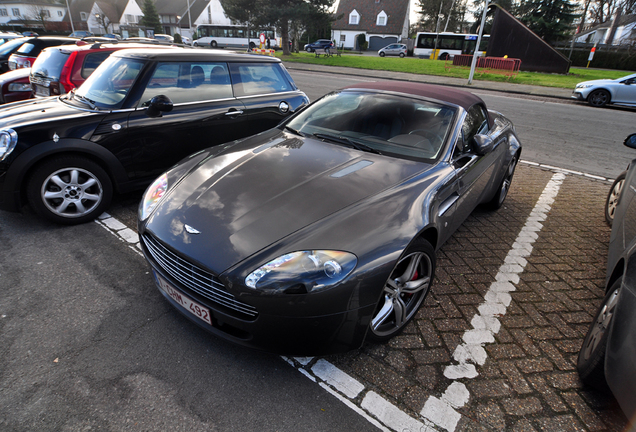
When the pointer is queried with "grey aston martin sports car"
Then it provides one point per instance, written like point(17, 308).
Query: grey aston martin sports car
point(317, 235)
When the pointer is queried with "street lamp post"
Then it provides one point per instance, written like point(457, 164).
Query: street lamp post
point(70, 16)
point(481, 31)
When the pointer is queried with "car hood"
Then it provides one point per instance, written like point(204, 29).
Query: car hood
point(598, 82)
point(39, 110)
point(243, 201)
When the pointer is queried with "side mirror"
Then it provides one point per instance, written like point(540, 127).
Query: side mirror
point(630, 141)
point(483, 144)
point(159, 104)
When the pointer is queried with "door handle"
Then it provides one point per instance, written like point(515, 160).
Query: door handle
point(234, 113)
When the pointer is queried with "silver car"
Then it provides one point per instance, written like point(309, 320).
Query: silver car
point(607, 356)
point(598, 93)
point(393, 49)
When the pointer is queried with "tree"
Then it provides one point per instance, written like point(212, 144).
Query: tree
point(451, 15)
point(280, 13)
point(151, 17)
point(40, 14)
point(549, 19)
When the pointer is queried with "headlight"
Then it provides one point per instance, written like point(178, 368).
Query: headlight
point(153, 195)
point(582, 86)
point(8, 140)
point(302, 272)
point(19, 87)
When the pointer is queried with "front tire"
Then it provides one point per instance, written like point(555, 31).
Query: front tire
point(502, 192)
point(69, 190)
point(612, 197)
point(308, 49)
point(599, 98)
point(591, 360)
point(404, 291)
point(382, 54)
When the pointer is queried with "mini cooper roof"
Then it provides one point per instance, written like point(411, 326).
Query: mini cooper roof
point(187, 54)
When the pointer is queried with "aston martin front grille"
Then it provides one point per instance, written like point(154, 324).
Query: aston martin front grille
point(195, 278)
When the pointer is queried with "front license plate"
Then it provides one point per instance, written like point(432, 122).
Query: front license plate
point(191, 306)
point(41, 91)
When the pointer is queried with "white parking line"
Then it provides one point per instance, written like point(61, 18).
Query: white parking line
point(485, 323)
point(437, 413)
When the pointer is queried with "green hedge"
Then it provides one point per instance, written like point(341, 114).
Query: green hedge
point(622, 60)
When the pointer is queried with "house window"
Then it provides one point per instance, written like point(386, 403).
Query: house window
point(15, 12)
point(3, 12)
point(343, 38)
point(84, 16)
point(130, 18)
point(381, 19)
point(354, 17)
point(45, 13)
point(59, 13)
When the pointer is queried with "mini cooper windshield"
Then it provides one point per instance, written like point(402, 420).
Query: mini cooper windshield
point(379, 123)
point(108, 86)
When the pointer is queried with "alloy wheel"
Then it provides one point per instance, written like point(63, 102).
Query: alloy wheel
point(403, 293)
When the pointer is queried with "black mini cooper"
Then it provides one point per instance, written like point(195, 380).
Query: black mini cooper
point(137, 114)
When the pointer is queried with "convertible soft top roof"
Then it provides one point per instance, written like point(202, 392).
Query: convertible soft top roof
point(446, 94)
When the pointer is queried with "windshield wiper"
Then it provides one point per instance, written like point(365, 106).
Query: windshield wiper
point(84, 99)
point(347, 141)
point(294, 131)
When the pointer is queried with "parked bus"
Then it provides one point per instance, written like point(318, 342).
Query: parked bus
point(448, 44)
point(230, 36)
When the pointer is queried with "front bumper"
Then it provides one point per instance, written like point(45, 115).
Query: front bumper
point(578, 95)
point(266, 326)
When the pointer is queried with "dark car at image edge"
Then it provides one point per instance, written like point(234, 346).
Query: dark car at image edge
point(608, 353)
point(140, 112)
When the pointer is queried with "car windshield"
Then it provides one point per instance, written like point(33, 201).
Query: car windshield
point(387, 124)
point(108, 86)
point(8, 47)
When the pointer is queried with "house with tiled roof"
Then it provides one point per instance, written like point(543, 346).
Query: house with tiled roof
point(16, 14)
point(383, 22)
point(625, 32)
point(106, 16)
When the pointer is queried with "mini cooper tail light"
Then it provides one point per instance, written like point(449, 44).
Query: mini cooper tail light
point(8, 140)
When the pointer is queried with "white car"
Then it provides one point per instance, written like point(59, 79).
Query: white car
point(164, 38)
point(598, 93)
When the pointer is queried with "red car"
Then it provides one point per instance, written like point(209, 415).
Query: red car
point(30, 49)
point(58, 70)
point(15, 85)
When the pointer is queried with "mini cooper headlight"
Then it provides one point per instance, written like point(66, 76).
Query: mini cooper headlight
point(8, 140)
point(302, 272)
point(153, 195)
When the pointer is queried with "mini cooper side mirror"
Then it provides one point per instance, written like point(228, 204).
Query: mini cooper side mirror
point(158, 105)
point(630, 141)
point(483, 144)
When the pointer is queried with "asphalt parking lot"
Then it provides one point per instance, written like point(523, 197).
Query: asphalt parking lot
point(525, 377)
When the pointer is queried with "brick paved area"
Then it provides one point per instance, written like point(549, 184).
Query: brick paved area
point(529, 381)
